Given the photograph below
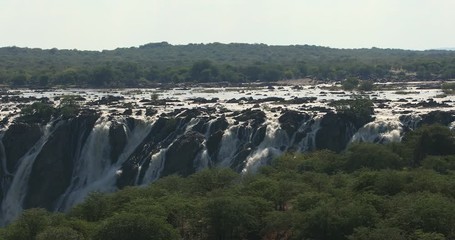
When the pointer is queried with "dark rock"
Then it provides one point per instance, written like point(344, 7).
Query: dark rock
point(259, 135)
point(301, 100)
point(117, 140)
point(336, 130)
point(201, 100)
point(425, 104)
point(255, 117)
point(128, 111)
point(267, 99)
point(109, 100)
point(291, 120)
point(440, 117)
point(220, 124)
point(18, 140)
point(163, 132)
point(52, 170)
point(180, 155)
point(150, 112)
point(213, 144)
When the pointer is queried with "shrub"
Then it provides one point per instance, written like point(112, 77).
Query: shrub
point(135, 226)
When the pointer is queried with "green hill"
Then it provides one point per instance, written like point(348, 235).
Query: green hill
point(215, 62)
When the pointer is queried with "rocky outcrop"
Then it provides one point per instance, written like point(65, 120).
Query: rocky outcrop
point(290, 121)
point(439, 117)
point(254, 117)
point(181, 154)
point(52, 170)
point(18, 140)
point(335, 132)
point(117, 140)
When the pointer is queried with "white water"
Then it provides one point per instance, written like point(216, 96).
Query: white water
point(94, 170)
point(379, 132)
point(155, 167)
point(308, 143)
point(12, 203)
point(270, 147)
point(229, 146)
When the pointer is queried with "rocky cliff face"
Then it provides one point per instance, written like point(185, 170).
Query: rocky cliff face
point(55, 165)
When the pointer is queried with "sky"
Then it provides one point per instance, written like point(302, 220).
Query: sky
point(110, 24)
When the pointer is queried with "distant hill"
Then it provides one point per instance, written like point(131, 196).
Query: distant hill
point(446, 49)
point(236, 62)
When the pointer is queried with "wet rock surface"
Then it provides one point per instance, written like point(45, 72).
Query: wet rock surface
point(18, 140)
point(53, 166)
point(147, 138)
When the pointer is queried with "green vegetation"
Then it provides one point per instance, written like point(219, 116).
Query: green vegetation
point(370, 191)
point(353, 83)
point(350, 84)
point(164, 63)
point(448, 88)
point(359, 109)
point(43, 112)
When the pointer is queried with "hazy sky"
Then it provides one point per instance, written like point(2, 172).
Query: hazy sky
point(108, 24)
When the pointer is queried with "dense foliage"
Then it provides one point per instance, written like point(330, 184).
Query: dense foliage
point(370, 191)
point(216, 62)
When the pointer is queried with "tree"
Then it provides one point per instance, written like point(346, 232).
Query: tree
point(59, 233)
point(135, 226)
point(28, 225)
point(102, 76)
point(366, 85)
point(429, 140)
point(350, 84)
point(204, 71)
point(233, 217)
point(373, 156)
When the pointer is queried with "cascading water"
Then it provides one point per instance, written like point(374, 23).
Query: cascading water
point(310, 128)
point(94, 170)
point(273, 145)
point(155, 166)
point(203, 159)
point(147, 148)
point(379, 132)
point(229, 146)
point(11, 205)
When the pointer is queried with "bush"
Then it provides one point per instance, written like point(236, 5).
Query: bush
point(350, 84)
point(429, 140)
point(366, 85)
point(359, 109)
point(372, 156)
point(448, 88)
point(135, 226)
point(59, 233)
point(37, 112)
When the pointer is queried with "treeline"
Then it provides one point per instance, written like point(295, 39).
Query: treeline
point(398, 191)
point(216, 62)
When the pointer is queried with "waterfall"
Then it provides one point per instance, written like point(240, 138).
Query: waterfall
point(12, 203)
point(229, 146)
point(94, 170)
point(90, 166)
point(379, 132)
point(203, 159)
point(410, 121)
point(311, 128)
point(275, 142)
point(155, 167)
